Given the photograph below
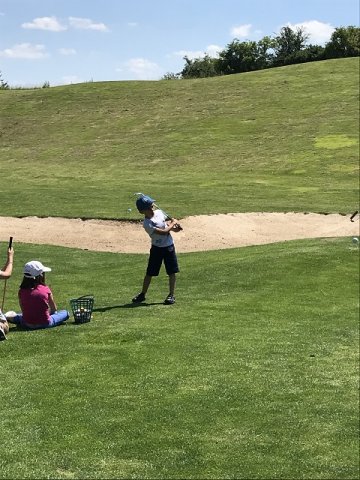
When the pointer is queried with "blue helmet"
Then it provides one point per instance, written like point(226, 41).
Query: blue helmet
point(144, 202)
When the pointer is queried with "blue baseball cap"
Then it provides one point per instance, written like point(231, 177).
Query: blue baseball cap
point(144, 202)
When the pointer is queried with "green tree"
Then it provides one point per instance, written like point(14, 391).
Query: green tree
point(310, 53)
point(265, 52)
point(246, 56)
point(287, 45)
point(314, 52)
point(240, 57)
point(3, 85)
point(344, 42)
point(200, 67)
point(170, 76)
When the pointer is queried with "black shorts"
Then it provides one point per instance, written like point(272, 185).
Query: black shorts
point(157, 256)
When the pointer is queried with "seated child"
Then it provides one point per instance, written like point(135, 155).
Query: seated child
point(36, 300)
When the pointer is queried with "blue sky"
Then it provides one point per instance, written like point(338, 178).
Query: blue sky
point(72, 41)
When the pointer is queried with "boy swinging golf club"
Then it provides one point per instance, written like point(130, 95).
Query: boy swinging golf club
point(158, 225)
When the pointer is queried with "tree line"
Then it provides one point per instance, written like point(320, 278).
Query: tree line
point(288, 47)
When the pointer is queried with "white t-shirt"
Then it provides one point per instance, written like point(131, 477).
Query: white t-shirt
point(157, 221)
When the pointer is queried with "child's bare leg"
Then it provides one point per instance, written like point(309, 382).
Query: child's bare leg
point(140, 297)
point(146, 284)
point(172, 282)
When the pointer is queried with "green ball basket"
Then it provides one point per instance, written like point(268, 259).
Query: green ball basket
point(82, 308)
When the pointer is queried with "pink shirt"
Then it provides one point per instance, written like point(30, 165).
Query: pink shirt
point(35, 305)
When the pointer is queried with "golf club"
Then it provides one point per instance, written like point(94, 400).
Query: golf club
point(353, 216)
point(3, 299)
point(168, 217)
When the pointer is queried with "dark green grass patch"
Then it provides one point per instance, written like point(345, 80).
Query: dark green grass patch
point(283, 139)
point(253, 373)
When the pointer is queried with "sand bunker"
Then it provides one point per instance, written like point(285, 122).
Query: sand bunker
point(200, 233)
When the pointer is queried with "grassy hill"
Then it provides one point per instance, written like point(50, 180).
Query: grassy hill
point(253, 373)
point(284, 139)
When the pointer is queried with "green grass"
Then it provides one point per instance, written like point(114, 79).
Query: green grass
point(284, 139)
point(252, 374)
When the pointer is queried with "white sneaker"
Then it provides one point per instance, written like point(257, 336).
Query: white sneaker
point(2, 333)
point(10, 315)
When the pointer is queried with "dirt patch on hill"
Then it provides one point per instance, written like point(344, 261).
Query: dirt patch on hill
point(200, 233)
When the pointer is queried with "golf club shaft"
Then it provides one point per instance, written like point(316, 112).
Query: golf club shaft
point(3, 299)
point(168, 217)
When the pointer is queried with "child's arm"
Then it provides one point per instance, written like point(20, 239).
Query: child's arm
point(7, 269)
point(20, 304)
point(52, 304)
point(166, 230)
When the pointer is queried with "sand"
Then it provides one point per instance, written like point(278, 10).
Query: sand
point(200, 233)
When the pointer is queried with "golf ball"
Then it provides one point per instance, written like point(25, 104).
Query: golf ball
point(129, 209)
point(355, 240)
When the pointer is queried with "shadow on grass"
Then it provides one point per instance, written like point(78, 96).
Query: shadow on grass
point(20, 328)
point(126, 305)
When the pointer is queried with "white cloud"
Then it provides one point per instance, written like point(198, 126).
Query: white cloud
point(52, 24)
point(45, 23)
point(241, 31)
point(25, 51)
point(70, 79)
point(87, 24)
point(142, 68)
point(318, 32)
point(67, 51)
point(211, 50)
point(191, 54)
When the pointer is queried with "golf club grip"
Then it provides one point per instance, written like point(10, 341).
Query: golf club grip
point(10, 242)
point(168, 217)
point(171, 218)
point(176, 224)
